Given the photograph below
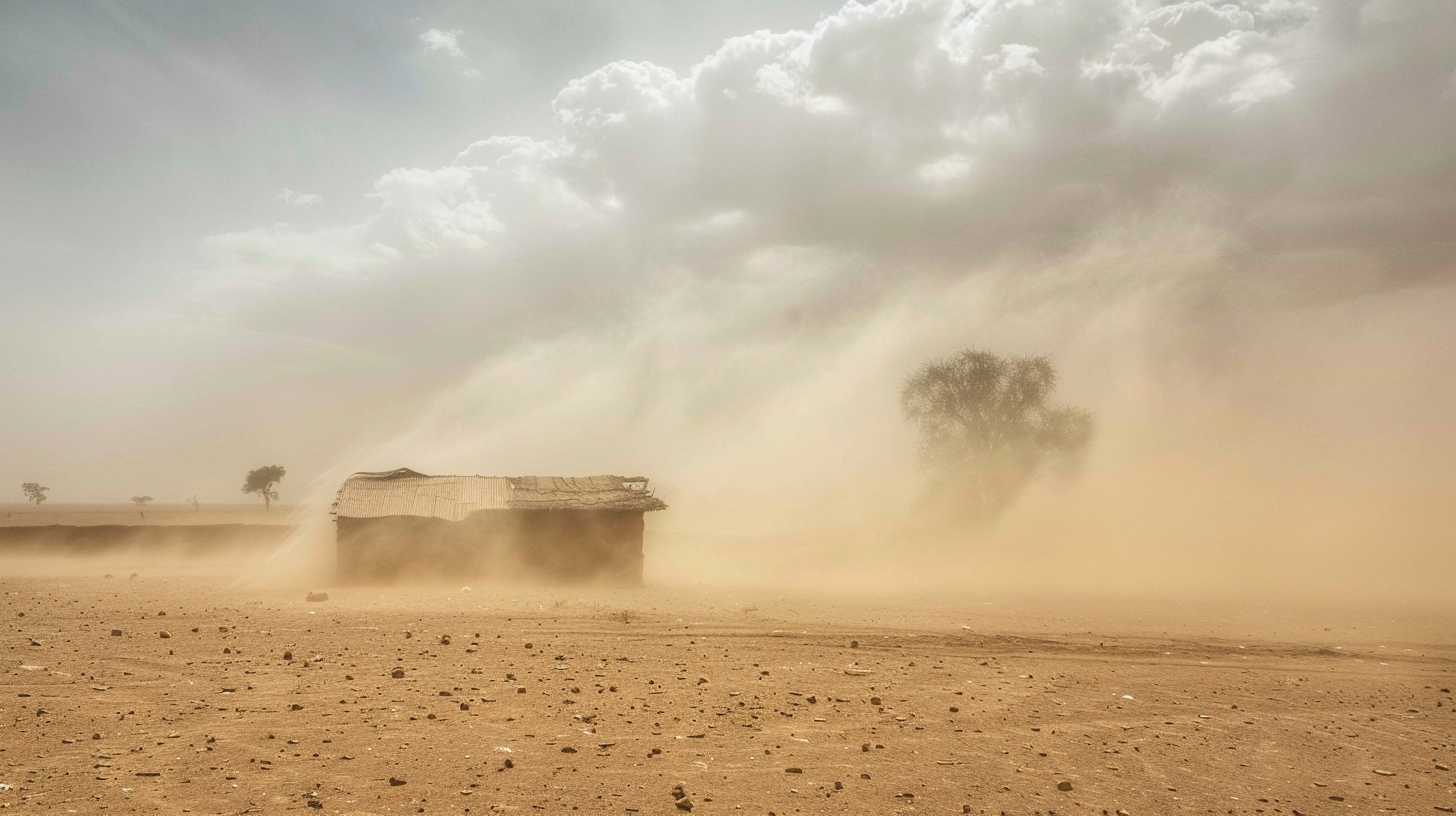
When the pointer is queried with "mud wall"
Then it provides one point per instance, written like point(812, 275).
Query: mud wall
point(556, 545)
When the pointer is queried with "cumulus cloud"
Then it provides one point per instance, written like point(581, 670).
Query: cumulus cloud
point(802, 215)
point(294, 198)
point(1048, 120)
point(444, 41)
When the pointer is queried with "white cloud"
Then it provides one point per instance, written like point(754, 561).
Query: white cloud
point(293, 198)
point(446, 42)
point(923, 137)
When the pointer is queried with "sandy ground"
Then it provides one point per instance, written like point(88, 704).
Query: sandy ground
point(515, 700)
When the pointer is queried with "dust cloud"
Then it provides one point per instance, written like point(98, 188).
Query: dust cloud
point(1249, 444)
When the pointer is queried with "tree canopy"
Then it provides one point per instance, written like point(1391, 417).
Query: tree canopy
point(35, 492)
point(986, 425)
point(262, 481)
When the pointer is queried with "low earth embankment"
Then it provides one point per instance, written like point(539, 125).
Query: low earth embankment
point(105, 539)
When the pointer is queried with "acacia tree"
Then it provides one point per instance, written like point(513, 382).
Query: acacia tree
point(262, 481)
point(35, 492)
point(141, 502)
point(986, 425)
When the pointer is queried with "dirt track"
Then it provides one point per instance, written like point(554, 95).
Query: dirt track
point(550, 701)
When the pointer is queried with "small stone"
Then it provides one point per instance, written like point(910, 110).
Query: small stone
point(397, 674)
point(116, 633)
point(1064, 785)
point(793, 770)
point(684, 804)
point(395, 781)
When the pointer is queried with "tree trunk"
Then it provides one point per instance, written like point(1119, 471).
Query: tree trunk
point(267, 502)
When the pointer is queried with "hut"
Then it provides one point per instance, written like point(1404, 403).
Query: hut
point(401, 523)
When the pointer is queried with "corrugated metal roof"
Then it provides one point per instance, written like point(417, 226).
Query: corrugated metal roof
point(404, 492)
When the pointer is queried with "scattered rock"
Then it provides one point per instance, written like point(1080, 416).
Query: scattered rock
point(1064, 785)
point(395, 781)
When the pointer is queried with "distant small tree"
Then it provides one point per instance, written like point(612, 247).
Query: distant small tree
point(195, 505)
point(262, 481)
point(35, 492)
point(141, 502)
point(986, 425)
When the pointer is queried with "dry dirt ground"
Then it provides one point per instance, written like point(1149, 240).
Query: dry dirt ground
point(164, 695)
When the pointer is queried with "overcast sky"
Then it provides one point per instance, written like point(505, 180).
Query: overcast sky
point(535, 236)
